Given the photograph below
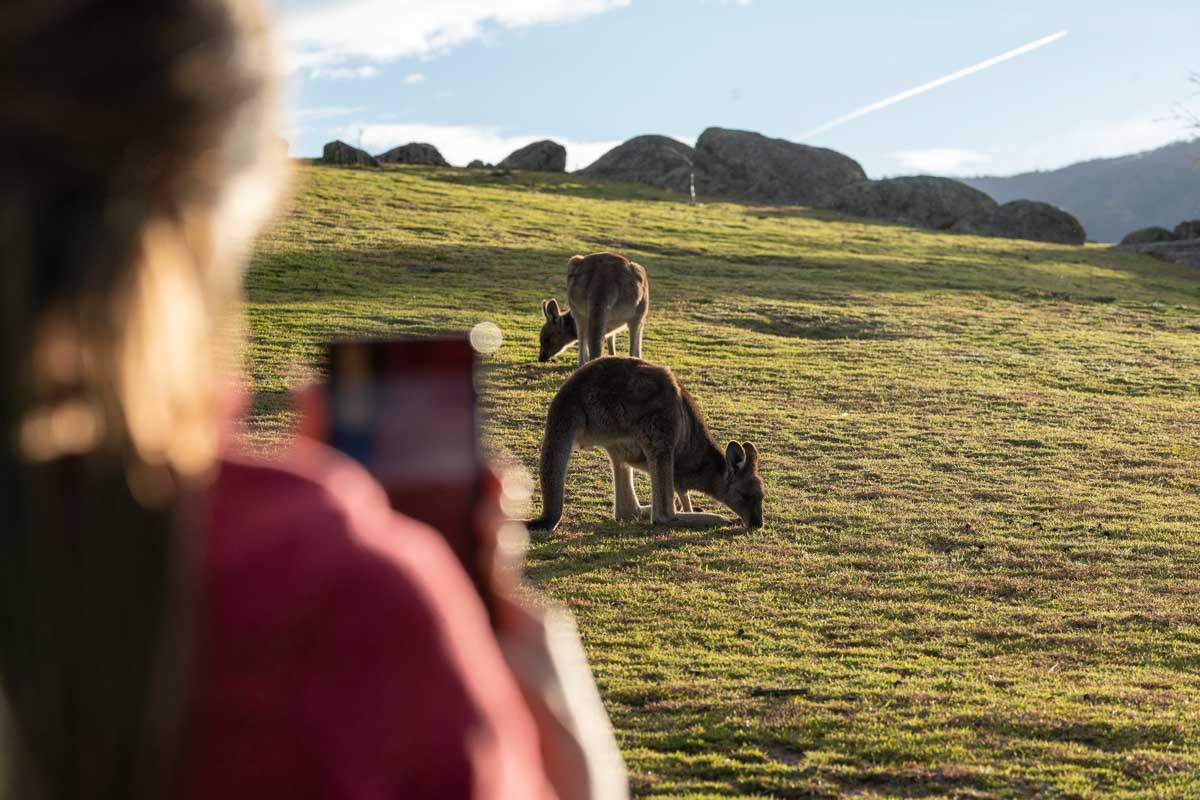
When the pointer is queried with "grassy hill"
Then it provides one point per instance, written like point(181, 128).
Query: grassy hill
point(980, 572)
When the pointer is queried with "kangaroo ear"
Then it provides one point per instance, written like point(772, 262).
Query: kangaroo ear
point(751, 454)
point(735, 456)
point(550, 309)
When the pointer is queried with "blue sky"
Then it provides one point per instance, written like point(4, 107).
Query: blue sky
point(479, 78)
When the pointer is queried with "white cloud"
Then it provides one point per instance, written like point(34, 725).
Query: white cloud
point(941, 160)
point(384, 30)
point(323, 112)
point(299, 120)
point(461, 144)
point(414, 77)
point(343, 73)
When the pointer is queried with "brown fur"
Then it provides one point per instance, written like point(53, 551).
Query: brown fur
point(641, 415)
point(606, 293)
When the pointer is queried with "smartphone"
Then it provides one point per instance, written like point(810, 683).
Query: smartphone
point(407, 410)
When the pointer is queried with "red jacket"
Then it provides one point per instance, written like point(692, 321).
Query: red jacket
point(342, 652)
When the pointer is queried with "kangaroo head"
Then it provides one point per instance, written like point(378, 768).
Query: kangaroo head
point(558, 331)
point(741, 485)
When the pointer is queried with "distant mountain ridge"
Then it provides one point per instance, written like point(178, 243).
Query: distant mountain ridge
point(1113, 196)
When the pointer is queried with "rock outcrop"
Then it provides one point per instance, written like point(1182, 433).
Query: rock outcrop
point(1025, 219)
point(1185, 251)
point(923, 200)
point(750, 166)
point(1187, 230)
point(656, 160)
point(1148, 235)
point(414, 153)
point(342, 154)
point(543, 156)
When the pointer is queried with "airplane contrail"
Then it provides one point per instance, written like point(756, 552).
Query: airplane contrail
point(925, 87)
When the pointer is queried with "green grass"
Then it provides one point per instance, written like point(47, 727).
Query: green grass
point(980, 572)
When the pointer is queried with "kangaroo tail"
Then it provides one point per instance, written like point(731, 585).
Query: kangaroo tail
point(597, 324)
point(562, 427)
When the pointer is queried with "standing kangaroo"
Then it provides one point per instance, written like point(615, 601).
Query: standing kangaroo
point(647, 421)
point(606, 293)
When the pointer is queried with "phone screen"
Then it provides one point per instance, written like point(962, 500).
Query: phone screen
point(406, 409)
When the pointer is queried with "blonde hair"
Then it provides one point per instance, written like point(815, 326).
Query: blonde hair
point(139, 155)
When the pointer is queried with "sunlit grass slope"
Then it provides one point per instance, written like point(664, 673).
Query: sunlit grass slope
point(980, 573)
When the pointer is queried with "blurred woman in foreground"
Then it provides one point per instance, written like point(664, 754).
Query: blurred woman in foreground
point(176, 621)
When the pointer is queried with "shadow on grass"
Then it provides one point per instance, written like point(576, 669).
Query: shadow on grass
point(815, 325)
point(511, 277)
point(611, 544)
point(944, 780)
point(1107, 736)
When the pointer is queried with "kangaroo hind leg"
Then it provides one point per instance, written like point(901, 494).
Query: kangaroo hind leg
point(582, 342)
point(636, 326)
point(662, 486)
point(625, 501)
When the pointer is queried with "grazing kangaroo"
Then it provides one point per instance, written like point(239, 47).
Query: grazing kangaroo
point(606, 294)
point(647, 421)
